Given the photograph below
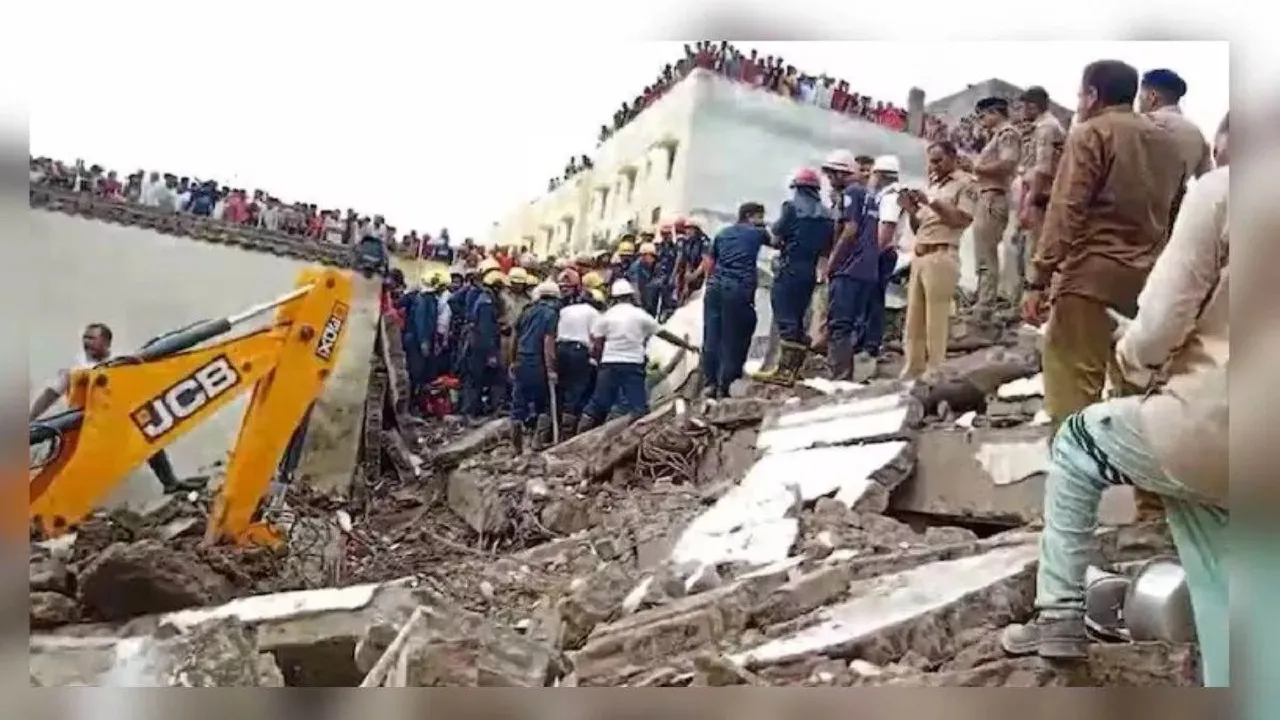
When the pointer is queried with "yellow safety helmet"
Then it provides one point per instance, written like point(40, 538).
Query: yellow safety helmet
point(648, 248)
point(494, 277)
point(488, 264)
point(626, 247)
point(435, 280)
point(519, 276)
point(597, 295)
point(593, 280)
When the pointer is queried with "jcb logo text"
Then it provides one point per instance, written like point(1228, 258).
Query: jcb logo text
point(331, 332)
point(165, 412)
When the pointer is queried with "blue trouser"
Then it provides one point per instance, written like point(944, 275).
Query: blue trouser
point(620, 386)
point(481, 386)
point(665, 290)
point(530, 396)
point(872, 336)
point(847, 302)
point(728, 322)
point(1102, 446)
point(792, 291)
point(575, 376)
point(649, 295)
point(419, 365)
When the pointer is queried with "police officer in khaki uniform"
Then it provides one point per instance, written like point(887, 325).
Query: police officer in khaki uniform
point(1047, 136)
point(938, 217)
point(1158, 96)
point(994, 168)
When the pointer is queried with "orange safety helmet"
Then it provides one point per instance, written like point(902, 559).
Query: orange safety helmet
point(806, 177)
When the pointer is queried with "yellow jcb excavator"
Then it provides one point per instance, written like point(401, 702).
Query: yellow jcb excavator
point(124, 411)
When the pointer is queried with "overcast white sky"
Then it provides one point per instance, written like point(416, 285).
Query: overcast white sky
point(390, 110)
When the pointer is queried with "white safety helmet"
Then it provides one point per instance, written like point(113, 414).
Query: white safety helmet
point(887, 164)
point(840, 161)
point(546, 289)
point(621, 288)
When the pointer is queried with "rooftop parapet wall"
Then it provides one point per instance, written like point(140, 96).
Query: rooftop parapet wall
point(745, 143)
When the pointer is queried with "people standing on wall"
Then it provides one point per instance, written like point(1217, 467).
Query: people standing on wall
point(803, 235)
point(994, 167)
point(938, 217)
point(728, 308)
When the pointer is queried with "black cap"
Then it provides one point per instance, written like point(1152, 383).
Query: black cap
point(1166, 81)
point(1035, 94)
point(998, 104)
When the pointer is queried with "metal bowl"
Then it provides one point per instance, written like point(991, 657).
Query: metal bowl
point(1158, 604)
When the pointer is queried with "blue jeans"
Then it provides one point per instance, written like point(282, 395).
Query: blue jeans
point(1102, 446)
point(481, 387)
point(728, 322)
point(530, 394)
point(621, 386)
point(872, 336)
point(847, 303)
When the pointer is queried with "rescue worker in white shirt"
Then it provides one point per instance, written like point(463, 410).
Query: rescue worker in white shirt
point(533, 366)
point(96, 347)
point(618, 342)
point(1172, 441)
point(575, 368)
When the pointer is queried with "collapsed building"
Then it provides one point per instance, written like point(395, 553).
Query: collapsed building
point(835, 534)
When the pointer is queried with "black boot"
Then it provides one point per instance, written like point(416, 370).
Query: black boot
point(517, 437)
point(542, 433)
point(587, 424)
point(840, 361)
point(568, 426)
point(160, 465)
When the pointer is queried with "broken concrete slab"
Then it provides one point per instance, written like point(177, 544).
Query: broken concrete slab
point(1022, 388)
point(51, 609)
point(478, 500)
point(951, 481)
point(221, 652)
point(476, 441)
point(1119, 665)
point(754, 522)
point(131, 579)
point(853, 420)
point(929, 604)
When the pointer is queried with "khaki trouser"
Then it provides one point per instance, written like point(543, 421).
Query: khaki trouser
point(818, 317)
point(1077, 361)
point(935, 271)
point(990, 219)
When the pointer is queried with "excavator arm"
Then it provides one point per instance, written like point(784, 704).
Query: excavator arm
point(126, 410)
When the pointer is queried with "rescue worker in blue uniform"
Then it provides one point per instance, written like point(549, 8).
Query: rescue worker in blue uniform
point(803, 235)
point(664, 272)
point(481, 379)
point(421, 343)
point(849, 181)
point(728, 307)
point(690, 274)
point(620, 263)
point(533, 367)
point(458, 314)
point(641, 276)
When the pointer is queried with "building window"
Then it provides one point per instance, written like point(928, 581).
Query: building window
point(631, 186)
point(653, 216)
point(671, 159)
point(604, 202)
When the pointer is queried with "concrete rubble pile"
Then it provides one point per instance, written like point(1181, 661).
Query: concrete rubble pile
point(706, 544)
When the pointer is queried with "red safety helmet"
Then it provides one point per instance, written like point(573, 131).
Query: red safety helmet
point(806, 177)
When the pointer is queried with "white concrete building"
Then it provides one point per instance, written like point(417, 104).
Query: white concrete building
point(709, 145)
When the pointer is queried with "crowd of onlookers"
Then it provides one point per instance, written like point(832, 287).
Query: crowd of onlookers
point(771, 73)
point(575, 166)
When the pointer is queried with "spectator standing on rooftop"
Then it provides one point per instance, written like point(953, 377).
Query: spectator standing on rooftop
point(994, 168)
